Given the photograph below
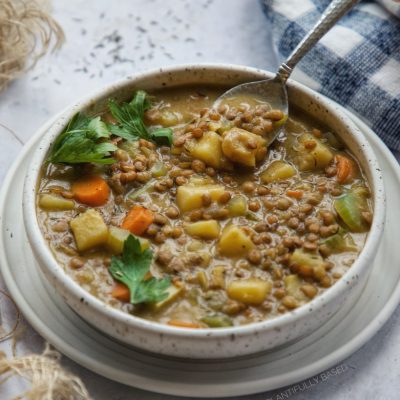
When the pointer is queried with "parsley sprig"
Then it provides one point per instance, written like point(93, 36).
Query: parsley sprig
point(130, 120)
point(131, 270)
point(82, 142)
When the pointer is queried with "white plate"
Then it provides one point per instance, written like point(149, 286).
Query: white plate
point(346, 332)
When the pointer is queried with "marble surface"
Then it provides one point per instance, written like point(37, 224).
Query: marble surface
point(107, 41)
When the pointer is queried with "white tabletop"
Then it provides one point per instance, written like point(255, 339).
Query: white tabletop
point(109, 40)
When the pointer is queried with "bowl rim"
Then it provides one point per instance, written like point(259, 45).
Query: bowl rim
point(48, 261)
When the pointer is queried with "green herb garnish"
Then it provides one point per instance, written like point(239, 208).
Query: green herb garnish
point(131, 270)
point(130, 120)
point(81, 142)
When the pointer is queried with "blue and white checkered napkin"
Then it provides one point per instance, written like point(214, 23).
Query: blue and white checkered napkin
point(357, 63)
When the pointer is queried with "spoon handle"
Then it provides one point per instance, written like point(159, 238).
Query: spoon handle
point(331, 15)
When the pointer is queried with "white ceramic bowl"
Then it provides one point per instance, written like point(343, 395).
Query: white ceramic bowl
point(224, 342)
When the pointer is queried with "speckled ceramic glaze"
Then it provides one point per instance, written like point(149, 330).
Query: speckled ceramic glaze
point(224, 342)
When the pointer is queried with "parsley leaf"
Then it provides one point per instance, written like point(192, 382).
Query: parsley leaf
point(131, 270)
point(98, 129)
point(79, 142)
point(130, 119)
point(162, 136)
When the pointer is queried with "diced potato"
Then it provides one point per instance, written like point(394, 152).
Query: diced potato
point(51, 202)
point(89, 230)
point(173, 292)
point(117, 237)
point(243, 147)
point(292, 286)
point(237, 206)
point(277, 171)
point(301, 257)
point(204, 229)
point(315, 157)
point(189, 197)
point(234, 242)
point(250, 291)
point(208, 149)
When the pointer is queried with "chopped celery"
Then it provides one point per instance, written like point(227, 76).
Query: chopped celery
point(131, 147)
point(217, 321)
point(340, 242)
point(138, 192)
point(350, 208)
point(360, 191)
point(252, 216)
point(333, 140)
point(202, 279)
point(159, 169)
point(117, 237)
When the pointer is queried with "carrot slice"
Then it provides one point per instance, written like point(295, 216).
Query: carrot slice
point(297, 194)
point(121, 292)
point(346, 169)
point(184, 324)
point(138, 220)
point(92, 191)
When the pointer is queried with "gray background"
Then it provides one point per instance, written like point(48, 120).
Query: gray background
point(109, 40)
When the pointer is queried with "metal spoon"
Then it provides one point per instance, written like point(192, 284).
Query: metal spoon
point(273, 91)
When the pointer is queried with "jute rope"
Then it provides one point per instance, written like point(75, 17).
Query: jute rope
point(48, 379)
point(27, 32)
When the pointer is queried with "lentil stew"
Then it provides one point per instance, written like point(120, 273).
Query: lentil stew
point(178, 213)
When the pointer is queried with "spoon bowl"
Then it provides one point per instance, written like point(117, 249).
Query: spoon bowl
point(273, 91)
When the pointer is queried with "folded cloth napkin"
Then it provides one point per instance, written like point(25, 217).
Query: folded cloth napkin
point(357, 63)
